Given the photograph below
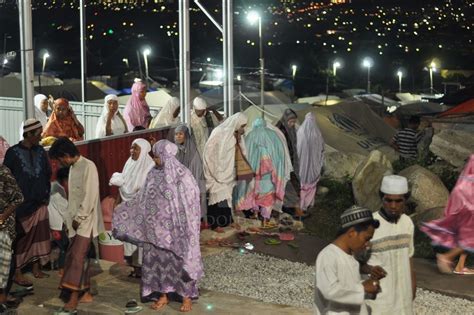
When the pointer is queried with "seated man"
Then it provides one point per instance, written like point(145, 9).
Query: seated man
point(339, 288)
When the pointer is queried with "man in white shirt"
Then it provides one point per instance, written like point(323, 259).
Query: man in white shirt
point(393, 249)
point(338, 287)
point(87, 222)
point(203, 121)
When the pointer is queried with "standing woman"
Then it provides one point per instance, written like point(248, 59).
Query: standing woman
point(111, 121)
point(164, 218)
point(168, 115)
point(287, 125)
point(224, 164)
point(311, 157)
point(63, 122)
point(137, 112)
point(10, 198)
point(130, 181)
point(456, 229)
point(189, 156)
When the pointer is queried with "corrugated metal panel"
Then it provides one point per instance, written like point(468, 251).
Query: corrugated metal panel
point(110, 154)
point(11, 116)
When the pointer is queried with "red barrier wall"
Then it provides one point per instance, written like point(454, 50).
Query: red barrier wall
point(110, 154)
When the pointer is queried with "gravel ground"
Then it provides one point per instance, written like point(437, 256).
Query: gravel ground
point(280, 281)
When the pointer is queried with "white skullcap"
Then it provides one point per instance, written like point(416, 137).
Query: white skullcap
point(199, 103)
point(394, 185)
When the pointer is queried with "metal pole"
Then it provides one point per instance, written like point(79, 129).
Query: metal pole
point(44, 63)
point(228, 80)
point(431, 80)
point(368, 80)
point(139, 65)
point(5, 36)
point(82, 19)
point(229, 42)
point(145, 58)
point(209, 16)
point(184, 62)
point(225, 52)
point(262, 63)
point(27, 61)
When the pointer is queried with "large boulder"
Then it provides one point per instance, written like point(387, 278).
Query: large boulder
point(453, 146)
point(338, 165)
point(428, 215)
point(427, 190)
point(367, 180)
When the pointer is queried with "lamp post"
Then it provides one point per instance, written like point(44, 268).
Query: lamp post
point(146, 52)
point(432, 69)
point(293, 69)
point(368, 63)
point(335, 65)
point(253, 18)
point(45, 56)
point(400, 76)
point(126, 62)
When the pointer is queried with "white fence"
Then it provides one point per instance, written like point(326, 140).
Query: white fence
point(11, 116)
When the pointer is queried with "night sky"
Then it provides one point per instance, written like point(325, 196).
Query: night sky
point(406, 35)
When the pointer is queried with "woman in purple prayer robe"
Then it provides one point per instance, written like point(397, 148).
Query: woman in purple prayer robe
point(164, 218)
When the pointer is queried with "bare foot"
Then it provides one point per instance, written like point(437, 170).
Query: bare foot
point(86, 298)
point(73, 301)
point(235, 226)
point(444, 264)
point(219, 229)
point(187, 305)
point(161, 303)
point(40, 275)
point(20, 279)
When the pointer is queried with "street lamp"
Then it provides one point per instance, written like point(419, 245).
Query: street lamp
point(253, 17)
point(432, 69)
point(400, 76)
point(45, 56)
point(335, 66)
point(294, 68)
point(126, 62)
point(146, 52)
point(368, 63)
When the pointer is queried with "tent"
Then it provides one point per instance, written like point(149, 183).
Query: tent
point(347, 127)
point(461, 109)
point(458, 97)
point(321, 99)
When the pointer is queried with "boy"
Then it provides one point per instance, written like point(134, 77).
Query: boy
point(60, 219)
point(87, 223)
point(339, 288)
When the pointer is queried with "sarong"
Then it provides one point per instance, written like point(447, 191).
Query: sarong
point(5, 257)
point(33, 238)
point(76, 268)
point(163, 272)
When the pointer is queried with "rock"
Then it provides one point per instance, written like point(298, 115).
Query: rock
point(427, 190)
point(453, 146)
point(428, 215)
point(338, 165)
point(367, 180)
point(322, 190)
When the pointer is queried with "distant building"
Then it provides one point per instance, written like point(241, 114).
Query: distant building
point(340, 1)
